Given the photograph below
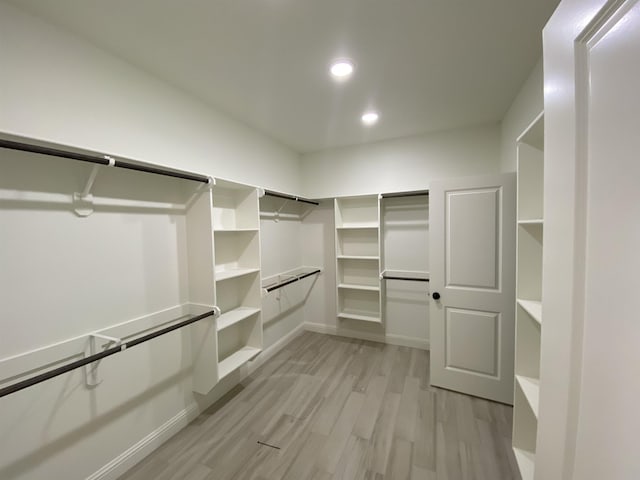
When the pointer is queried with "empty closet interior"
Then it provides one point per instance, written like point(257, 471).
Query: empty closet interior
point(168, 229)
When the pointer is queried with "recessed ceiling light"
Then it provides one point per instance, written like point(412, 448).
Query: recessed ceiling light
point(341, 69)
point(370, 118)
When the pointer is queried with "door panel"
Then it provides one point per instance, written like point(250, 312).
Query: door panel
point(472, 249)
point(472, 341)
point(472, 214)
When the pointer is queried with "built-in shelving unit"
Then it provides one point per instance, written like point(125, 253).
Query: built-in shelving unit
point(530, 164)
point(237, 274)
point(357, 236)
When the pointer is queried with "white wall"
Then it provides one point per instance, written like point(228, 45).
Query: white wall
point(281, 251)
point(403, 164)
point(58, 88)
point(63, 276)
point(524, 109)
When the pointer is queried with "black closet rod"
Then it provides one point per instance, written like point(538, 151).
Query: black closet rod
point(406, 194)
point(291, 280)
point(389, 277)
point(82, 157)
point(16, 387)
point(271, 193)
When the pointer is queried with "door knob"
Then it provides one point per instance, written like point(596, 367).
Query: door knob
point(435, 296)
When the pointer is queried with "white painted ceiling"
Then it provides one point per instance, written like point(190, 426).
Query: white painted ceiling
point(425, 65)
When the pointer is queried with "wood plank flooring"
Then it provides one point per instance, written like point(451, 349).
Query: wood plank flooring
point(337, 408)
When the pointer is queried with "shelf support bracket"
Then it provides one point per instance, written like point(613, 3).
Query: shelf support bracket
point(199, 189)
point(92, 379)
point(83, 201)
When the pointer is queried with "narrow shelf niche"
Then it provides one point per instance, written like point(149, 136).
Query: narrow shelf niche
point(529, 303)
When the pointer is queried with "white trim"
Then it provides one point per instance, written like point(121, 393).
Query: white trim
point(390, 339)
point(133, 455)
point(275, 348)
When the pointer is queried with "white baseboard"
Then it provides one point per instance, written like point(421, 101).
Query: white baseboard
point(130, 457)
point(269, 352)
point(400, 340)
point(136, 453)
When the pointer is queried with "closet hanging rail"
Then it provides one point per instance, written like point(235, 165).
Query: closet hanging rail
point(416, 193)
point(16, 387)
point(101, 160)
point(271, 193)
point(289, 281)
point(394, 276)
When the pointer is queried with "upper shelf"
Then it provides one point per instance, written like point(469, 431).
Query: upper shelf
point(534, 133)
point(358, 226)
point(533, 308)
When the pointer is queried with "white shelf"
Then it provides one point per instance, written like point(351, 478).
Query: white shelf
point(358, 226)
point(354, 286)
point(533, 221)
point(236, 360)
point(234, 316)
point(233, 230)
point(529, 254)
point(526, 463)
point(233, 273)
point(353, 315)
point(358, 257)
point(531, 389)
point(533, 308)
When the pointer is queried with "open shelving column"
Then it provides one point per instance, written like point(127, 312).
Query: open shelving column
point(530, 158)
point(237, 274)
point(357, 221)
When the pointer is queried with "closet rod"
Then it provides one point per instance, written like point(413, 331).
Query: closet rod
point(271, 193)
point(291, 280)
point(100, 160)
point(406, 194)
point(390, 277)
point(16, 387)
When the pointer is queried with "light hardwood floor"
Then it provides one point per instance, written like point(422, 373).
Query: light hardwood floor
point(339, 408)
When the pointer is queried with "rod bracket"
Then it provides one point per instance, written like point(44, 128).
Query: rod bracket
point(92, 379)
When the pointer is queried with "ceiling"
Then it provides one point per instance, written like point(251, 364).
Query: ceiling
point(425, 65)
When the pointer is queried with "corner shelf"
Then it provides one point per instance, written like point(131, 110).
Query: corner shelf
point(357, 240)
point(529, 248)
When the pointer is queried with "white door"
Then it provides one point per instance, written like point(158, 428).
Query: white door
point(590, 354)
point(472, 306)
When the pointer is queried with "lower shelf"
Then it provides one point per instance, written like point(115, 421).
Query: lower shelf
point(236, 360)
point(234, 316)
point(526, 463)
point(530, 387)
point(358, 315)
